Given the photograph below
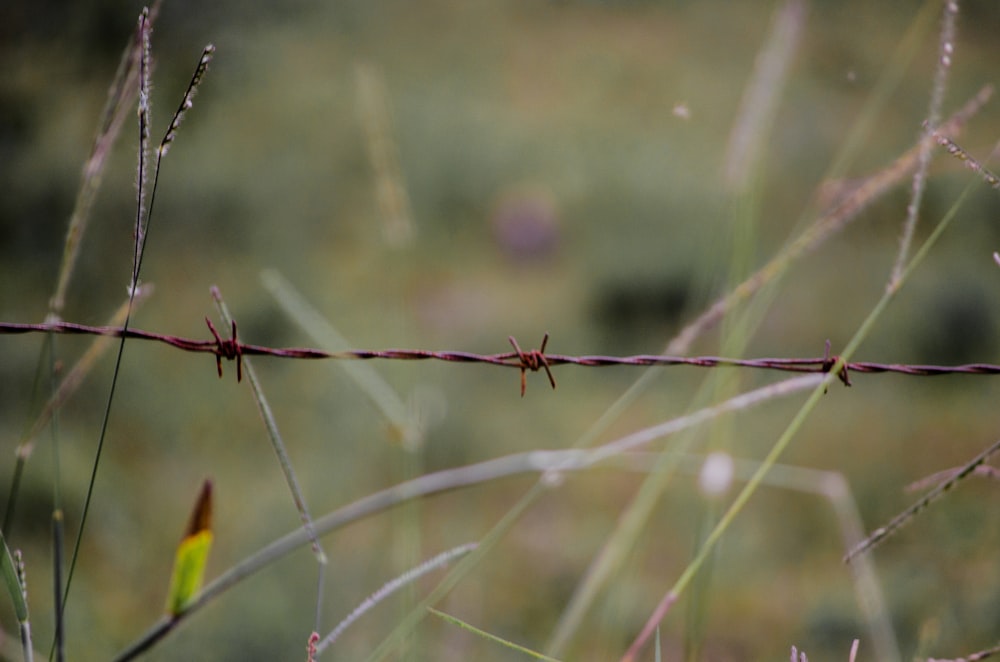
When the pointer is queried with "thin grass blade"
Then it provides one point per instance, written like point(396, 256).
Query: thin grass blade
point(439, 561)
point(371, 383)
point(491, 637)
point(277, 443)
point(945, 52)
point(883, 532)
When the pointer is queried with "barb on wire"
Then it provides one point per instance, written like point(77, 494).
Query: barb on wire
point(533, 361)
point(830, 361)
point(227, 349)
point(233, 349)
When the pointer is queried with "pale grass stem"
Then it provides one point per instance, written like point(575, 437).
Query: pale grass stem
point(274, 434)
point(785, 439)
point(410, 576)
point(834, 489)
point(759, 110)
point(547, 463)
point(843, 212)
point(371, 383)
point(760, 97)
point(945, 52)
point(393, 201)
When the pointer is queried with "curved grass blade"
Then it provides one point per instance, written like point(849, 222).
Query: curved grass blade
point(546, 463)
point(803, 413)
point(410, 621)
point(391, 587)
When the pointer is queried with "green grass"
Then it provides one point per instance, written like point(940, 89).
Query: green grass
point(570, 103)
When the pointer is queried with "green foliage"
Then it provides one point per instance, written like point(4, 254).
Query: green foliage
point(554, 168)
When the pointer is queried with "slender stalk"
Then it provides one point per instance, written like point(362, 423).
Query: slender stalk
point(143, 217)
point(491, 637)
point(921, 504)
point(548, 463)
point(461, 569)
point(786, 437)
point(945, 52)
point(379, 391)
point(393, 586)
point(144, 30)
point(274, 434)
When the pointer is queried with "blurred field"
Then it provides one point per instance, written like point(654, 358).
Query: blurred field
point(546, 167)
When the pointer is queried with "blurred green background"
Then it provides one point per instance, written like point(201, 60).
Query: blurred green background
point(544, 167)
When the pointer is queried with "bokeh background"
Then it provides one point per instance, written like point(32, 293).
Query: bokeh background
point(441, 175)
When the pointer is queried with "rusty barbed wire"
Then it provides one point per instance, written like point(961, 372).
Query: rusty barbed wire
point(232, 349)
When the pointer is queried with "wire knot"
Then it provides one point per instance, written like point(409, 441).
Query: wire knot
point(533, 360)
point(230, 350)
point(830, 361)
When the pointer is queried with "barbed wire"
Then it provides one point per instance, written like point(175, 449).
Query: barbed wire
point(534, 360)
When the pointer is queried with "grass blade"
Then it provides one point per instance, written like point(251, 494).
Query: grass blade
point(192, 555)
point(144, 29)
point(277, 443)
point(945, 50)
point(391, 587)
point(490, 637)
point(899, 520)
point(367, 378)
point(12, 569)
point(12, 580)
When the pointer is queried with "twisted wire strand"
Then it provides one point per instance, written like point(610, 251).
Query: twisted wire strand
point(532, 360)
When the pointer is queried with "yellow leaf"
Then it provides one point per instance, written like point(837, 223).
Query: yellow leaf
point(192, 555)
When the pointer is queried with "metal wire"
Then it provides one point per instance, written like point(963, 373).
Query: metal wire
point(533, 360)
